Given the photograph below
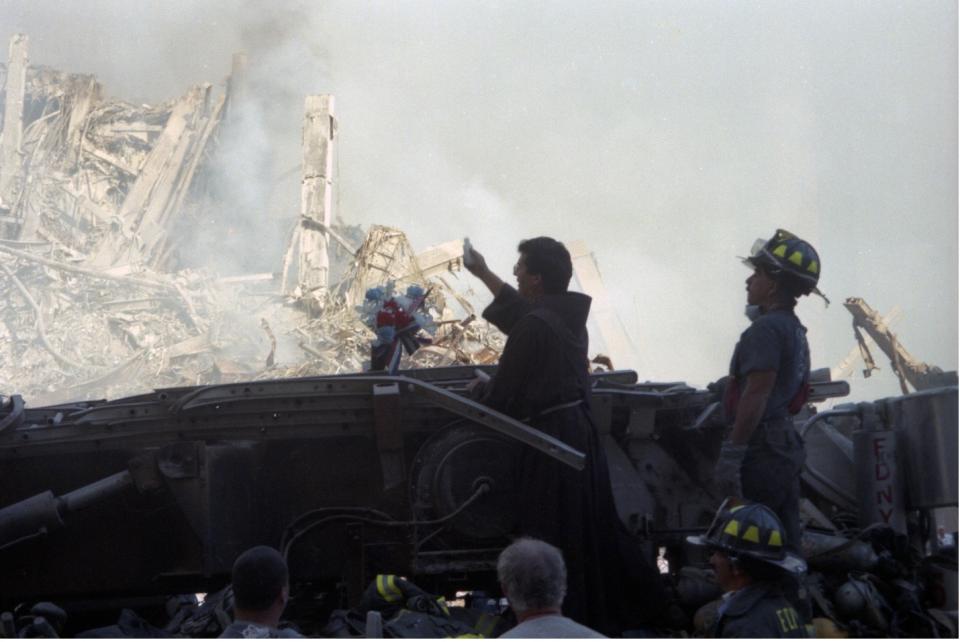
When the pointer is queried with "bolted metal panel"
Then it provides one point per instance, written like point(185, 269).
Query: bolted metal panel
point(928, 424)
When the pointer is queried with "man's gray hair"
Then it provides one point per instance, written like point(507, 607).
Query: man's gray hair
point(532, 574)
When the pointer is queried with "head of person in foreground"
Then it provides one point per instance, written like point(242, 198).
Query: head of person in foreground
point(532, 576)
point(260, 586)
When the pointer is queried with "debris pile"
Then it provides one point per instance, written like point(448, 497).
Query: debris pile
point(70, 332)
point(93, 197)
point(103, 180)
point(338, 341)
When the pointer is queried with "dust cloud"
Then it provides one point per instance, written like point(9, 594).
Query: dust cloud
point(666, 135)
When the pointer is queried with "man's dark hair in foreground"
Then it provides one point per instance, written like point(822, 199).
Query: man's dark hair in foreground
point(534, 579)
point(550, 260)
point(259, 576)
point(260, 591)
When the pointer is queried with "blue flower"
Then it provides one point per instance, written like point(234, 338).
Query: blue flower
point(386, 335)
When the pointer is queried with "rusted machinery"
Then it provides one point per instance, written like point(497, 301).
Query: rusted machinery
point(127, 502)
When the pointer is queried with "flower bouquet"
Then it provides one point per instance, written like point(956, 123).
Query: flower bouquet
point(397, 320)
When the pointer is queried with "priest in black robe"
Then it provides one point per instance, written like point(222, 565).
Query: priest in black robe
point(543, 379)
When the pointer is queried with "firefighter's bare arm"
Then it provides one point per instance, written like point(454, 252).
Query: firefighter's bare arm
point(752, 403)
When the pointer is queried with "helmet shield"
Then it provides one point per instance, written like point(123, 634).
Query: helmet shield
point(756, 258)
point(723, 513)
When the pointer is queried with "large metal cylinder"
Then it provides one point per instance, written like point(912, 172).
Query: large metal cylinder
point(927, 422)
point(44, 513)
point(28, 518)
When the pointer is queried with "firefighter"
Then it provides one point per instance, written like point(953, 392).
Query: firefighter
point(749, 557)
point(763, 455)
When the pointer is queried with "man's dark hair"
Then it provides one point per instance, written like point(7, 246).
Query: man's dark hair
point(549, 260)
point(259, 575)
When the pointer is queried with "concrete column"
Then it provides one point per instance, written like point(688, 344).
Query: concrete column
point(316, 198)
point(12, 137)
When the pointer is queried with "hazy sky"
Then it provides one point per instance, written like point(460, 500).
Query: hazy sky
point(667, 135)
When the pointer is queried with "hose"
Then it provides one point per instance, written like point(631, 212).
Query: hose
point(481, 490)
point(826, 414)
point(338, 509)
point(852, 540)
point(15, 417)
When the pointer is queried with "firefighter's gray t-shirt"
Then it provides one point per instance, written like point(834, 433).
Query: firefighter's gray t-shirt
point(775, 341)
point(242, 629)
point(551, 626)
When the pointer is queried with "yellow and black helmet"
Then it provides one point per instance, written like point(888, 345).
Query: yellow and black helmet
point(749, 530)
point(786, 253)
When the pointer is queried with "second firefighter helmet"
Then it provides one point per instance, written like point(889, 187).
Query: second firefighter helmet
point(786, 254)
point(749, 530)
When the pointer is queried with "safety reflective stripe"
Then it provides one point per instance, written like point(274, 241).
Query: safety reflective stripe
point(486, 624)
point(387, 588)
point(796, 258)
point(443, 605)
point(788, 619)
point(752, 534)
point(775, 538)
point(733, 528)
point(781, 251)
point(814, 267)
point(392, 587)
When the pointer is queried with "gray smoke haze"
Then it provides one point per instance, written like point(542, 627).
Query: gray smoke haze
point(667, 135)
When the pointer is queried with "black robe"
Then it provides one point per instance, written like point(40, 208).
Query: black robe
point(544, 364)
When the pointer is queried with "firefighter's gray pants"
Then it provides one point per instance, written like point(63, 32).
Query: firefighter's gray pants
point(770, 473)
